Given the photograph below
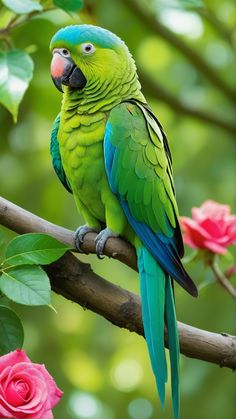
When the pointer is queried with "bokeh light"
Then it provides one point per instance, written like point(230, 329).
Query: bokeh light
point(181, 22)
point(86, 406)
point(140, 409)
point(82, 371)
point(127, 375)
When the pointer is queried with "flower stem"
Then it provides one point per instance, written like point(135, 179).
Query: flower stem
point(221, 278)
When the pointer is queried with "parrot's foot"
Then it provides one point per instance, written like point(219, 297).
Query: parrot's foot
point(101, 240)
point(80, 233)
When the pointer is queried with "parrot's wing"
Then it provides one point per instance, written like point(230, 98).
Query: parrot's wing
point(56, 156)
point(138, 166)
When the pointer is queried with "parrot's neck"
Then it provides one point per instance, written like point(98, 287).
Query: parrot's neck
point(102, 95)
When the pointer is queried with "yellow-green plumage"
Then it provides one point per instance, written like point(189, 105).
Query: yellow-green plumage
point(83, 119)
point(110, 151)
point(82, 157)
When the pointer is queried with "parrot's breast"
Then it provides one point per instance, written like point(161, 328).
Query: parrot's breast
point(81, 147)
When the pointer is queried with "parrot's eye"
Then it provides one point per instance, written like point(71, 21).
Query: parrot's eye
point(64, 52)
point(88, 48)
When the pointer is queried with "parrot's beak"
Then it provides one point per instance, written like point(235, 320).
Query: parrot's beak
point(64, 71)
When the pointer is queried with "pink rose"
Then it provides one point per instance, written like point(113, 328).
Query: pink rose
point(211, 227)
point(27, 390)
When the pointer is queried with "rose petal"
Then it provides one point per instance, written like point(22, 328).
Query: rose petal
point(188, 224)
point(187, 240)
point(26, 372)
point(36, 371)
point(213, 227)
point(3, 412)
point(38, 401)
point(27, 390)
point(231, 229)
point(45, 415)
point(215, 248)
point(210, 209)
point(54, 392)
point(214, 209)
point(193, 232)
point(16, 393)
point(13, 358)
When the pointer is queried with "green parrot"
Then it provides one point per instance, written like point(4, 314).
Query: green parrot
point(110, 151)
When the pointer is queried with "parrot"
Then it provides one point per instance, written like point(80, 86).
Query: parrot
point(110, 151)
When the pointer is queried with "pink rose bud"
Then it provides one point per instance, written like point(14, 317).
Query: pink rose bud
point(230, 271)
point(211, 227)
point(27, 390)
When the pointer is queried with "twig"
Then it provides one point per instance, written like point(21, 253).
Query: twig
point(157, 91)
point(77, 282)
point(22, 221)
point(217, 24)
point(221, 278)
point(18, 21)
point(150, 19)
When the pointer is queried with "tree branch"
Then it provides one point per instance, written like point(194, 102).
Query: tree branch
point(150, 19)
point(77, 282)
point(18, 21)
point(156, 90)
point(210, 16)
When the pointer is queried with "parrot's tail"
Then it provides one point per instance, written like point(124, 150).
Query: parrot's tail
point(157, 307)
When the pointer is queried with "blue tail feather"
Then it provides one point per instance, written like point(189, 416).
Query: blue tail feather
point(173, 341)
point(153, 306)
point(163, 249)
point(158, 305)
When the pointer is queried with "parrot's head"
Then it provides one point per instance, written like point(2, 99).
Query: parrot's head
point(84, 55)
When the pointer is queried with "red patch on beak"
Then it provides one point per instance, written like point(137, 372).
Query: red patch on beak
point(58, 65)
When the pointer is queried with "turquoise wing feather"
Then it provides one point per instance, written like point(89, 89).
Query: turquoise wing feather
point(138, 166)
point(56, 156)
point(140, 157)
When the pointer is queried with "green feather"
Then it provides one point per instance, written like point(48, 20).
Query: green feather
point(150, 154)
point(139, 192)
point(147, 196)
point(56, 156)
point(147, 178)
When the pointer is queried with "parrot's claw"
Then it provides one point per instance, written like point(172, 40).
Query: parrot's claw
point(101, 240)
point(80, 233)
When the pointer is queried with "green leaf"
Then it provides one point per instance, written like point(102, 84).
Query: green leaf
point(27, 285)
point(5, 17)
point(69, 5)
point(11, 331)
point(1, 238)
point(22, 6)
point(34, 249)
point(16, 70)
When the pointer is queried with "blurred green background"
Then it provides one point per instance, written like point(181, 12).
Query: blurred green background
point(104, 371)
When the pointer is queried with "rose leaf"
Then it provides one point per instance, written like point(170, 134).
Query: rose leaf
point(26, 284)
point(34, 249)
point(16, 70)
point(11, 331)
